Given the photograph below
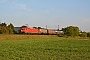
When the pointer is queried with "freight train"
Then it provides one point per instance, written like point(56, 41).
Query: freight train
point(39, 31)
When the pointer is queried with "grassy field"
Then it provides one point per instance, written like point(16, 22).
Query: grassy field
point(40, 47)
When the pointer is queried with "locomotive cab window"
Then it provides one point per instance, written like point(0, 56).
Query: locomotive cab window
point(23, 29)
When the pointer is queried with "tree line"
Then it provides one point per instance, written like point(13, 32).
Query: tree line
point(6, 29)
point(72, 31)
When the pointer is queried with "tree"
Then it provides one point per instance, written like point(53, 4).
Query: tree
point(4, 30)
point(88, 34)
point(71, 31)
point(11, 28)
point(3, 24)
point(83, 34)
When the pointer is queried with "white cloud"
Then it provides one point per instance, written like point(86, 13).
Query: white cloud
point(7, 15)
point(2, 0)
point(16, 6)
point(15, 1)
point(18, 14)
point(86, 20)
point(22, 6)
point(47, 11)
point(33, 1)
point(83, 24)
point(56, 16)
point(53, 8)
point(19, 6)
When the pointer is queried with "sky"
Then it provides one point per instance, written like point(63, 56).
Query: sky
point(52, 13)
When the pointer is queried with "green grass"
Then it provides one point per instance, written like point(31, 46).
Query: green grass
point(51, 48)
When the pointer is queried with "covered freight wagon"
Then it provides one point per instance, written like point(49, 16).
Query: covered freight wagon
point(42, 31)
point(51, 32)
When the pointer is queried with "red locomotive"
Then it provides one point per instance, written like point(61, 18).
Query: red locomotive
point(29, 30)
point(25, 29)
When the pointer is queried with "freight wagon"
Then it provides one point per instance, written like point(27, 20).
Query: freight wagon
point(42, 31)
point(51, 32)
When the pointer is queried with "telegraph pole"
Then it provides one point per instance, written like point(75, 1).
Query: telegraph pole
point(46, 29)
point(58, 27)
point(0, 21)
point(46, 26)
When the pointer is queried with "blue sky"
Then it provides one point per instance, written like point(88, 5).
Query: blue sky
point(46, 12)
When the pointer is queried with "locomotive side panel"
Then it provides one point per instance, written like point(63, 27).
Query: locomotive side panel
point(32, 30)
point(29, 30)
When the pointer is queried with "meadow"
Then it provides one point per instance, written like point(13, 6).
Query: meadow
point(43, 47)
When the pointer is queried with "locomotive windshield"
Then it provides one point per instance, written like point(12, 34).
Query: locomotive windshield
point(23, 28)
